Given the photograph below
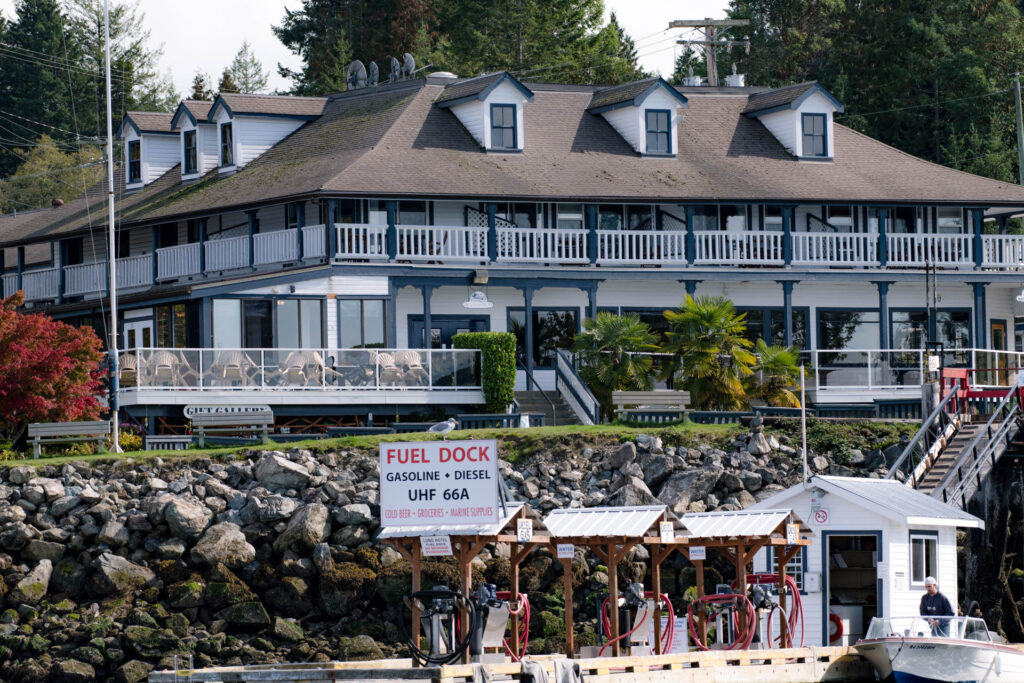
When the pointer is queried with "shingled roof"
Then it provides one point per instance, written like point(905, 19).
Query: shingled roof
point(786, 97)
point(628, 94)
point(148, 121)
point(477, 88)
point(280, 105)
point(393, 141)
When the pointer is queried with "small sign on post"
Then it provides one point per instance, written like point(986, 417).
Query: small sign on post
point(792, 534)
point(698, 552)
point(667, 531)
point(524, 530)
point(436, 546)
point(566, 551)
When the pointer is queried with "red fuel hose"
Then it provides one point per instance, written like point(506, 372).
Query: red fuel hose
point(522, 610)
point(666, 636)
point(626, 634)
point(744, 639)
point(796, 612)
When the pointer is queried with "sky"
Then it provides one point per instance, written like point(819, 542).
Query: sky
point(209, 44)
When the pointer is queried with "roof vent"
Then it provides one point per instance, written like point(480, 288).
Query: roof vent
point(441, 77)
point(57, 202)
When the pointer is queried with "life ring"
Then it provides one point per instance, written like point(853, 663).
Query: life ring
point(834, 619)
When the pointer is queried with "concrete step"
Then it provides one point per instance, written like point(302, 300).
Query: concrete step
point(535, 402)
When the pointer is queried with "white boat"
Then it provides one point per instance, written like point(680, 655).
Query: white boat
point(943, 649)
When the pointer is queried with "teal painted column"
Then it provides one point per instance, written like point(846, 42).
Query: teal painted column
point(392, 237)
point(691, 239)
point(979, 244)
point(300, 215)
point(60, 257)
point(21, 269)
point(592, 302)
point(156, 256)
point(528, 333)
point(787, 239)
point(591, 218)
point(980, 316)
point(787, 312)
point(883, 314)
point(883, 242)
point(330, 231)
point(253, 228)
point(492, 232)
point(691, 287)
point(202, 246)
point(428, 322)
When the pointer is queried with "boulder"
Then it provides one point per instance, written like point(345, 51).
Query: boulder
point(751, 480)
point(276, 472)
point(758, 444)
point(52, 488)
point(687, 486)
point(31, 589)
point(356, 513)
point(186, 519)
point(657, 469)
point(133, 671)
point(874, 459)
point(12, 513)
point(625, 454)
point(151, 642)
point(73, 671)
point(283, 629)
point(114, 534)
point(21, 474)
point(224, 543)
point(42, 550)
point(820, 463)
point(307, 527)
point(250, 614)
point(360, 648)
point(632, 493)
point(115, 574)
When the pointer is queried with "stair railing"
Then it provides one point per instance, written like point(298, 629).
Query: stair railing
point(982, 454)
point(574, 391)
point(536, 384)
point(935, 431)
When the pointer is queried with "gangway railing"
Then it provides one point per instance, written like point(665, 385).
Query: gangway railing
point(574, 390)
point(981, 455)
point(935, 432)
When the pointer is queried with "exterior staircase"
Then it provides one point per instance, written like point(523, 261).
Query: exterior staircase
point(950, 455)
point(534, 402)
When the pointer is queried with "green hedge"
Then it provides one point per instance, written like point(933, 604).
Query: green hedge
point(498, 353)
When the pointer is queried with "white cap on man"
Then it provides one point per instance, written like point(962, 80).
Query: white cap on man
point(930, 581)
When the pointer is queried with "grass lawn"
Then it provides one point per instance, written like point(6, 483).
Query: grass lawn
point(514, 444)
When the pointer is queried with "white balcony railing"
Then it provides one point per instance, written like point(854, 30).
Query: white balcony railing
point(542, 245)
point(441, 243)
point(276, 246)
point(179, 261)
point(227, 254)
point(628, 247)
point(835, 249)
point(85, 278)
point(301, 370)
point(134, 271)
point(1003, 251)
point(362, 241)
point(10, 284)
point(313, 241)
point(732, 247)
point(939, 250)
point(41, 285)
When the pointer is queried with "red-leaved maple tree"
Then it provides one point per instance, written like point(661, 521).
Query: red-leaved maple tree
point(49, 370)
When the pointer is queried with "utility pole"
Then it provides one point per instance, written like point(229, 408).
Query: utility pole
point(709, 43)
point(1020, 130)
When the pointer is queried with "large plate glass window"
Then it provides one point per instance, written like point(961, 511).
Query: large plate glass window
point(362, 323)
point(814, 140)
point(227, 147)
point(191, 162)
point(553, 329)
point(659, 139)
point(299, 323)
point(503, 126)
point(134, 161)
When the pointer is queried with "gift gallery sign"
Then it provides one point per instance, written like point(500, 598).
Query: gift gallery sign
point(439, 483)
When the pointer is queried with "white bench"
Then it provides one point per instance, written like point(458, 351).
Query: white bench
point(249, 422)
point(167, 442)
point(40, 433)
point(661, 405)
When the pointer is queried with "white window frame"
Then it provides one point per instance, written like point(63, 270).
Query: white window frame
point(927, 538)
point(794, 568)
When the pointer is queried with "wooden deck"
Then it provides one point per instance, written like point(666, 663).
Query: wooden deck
point(797, 665)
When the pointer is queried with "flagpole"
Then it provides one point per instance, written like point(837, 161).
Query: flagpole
point(112, 246)
point(803, 423)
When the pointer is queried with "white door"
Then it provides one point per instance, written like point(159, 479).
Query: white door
point(138, 334)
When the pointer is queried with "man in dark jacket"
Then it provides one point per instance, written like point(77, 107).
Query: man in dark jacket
point(935, 604)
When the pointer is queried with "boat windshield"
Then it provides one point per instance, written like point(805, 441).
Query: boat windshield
point(961, 628)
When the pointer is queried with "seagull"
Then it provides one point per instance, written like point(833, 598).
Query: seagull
point(443, 428)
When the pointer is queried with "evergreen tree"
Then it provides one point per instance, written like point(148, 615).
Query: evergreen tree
point(49, 172)
point(614, 55)
point(201, 87)
point(686, 62)
point(247, 71)
point(227, 83)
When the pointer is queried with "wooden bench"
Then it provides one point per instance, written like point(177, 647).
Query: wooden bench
point(166, 442)
point(661, 405)
point(253, 421)
point(67, 432)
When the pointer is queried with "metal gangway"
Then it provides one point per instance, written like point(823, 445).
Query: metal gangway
point(975, 423)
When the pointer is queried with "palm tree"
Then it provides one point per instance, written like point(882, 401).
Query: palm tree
point(712, 355)
point(611, 353)
point(778, 375)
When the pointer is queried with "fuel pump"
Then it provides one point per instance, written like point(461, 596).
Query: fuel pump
point(439, 619)
point(489, 628)
point(636, 608)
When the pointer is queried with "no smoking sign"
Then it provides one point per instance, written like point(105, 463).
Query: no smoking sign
point(820, 516)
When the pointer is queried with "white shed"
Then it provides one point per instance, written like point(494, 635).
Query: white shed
point(876, 541)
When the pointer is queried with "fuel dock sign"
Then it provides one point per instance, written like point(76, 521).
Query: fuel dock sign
point(439, 483)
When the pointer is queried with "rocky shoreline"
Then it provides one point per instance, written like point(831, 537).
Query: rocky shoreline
point(108, 570)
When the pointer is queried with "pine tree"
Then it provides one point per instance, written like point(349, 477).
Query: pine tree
point(201, 87)
point(247, 71)
point(227, 83)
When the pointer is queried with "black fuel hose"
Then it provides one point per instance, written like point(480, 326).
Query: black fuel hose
point(426, 598)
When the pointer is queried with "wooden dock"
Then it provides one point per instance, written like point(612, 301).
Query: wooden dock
point(796, 665)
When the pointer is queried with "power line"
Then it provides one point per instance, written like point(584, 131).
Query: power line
point(44, 58)
point(929, 104)
point(40, 123)
point(14, 179)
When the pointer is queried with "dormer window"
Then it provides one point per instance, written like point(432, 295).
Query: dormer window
point(503, 126)
point(135, 161)
point(191, 158)
point(659, 137)
point(815, 143)
point(227, 155)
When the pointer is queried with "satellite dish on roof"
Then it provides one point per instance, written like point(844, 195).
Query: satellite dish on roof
point(408, 65)
point(374, 76)
point(356, 75)
point(396, 70)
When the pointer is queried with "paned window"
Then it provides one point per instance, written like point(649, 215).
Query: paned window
point(815, 144)
point(171, 326)
point(362, 324)
point(191, 162)
point(503, 126)
point(794, 568)
point(299, 323)
point(923, 557)
point(134, 161)
point(227, 146)
point(553, 329)
point(659, 139)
